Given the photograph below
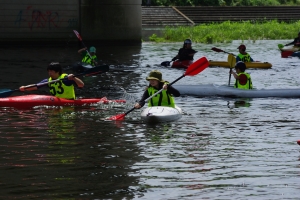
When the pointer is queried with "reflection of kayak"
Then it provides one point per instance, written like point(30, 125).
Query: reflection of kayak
point(262, 65)
point(29, 101)
point(181, 64)
point(156, 114)
point(226, 91)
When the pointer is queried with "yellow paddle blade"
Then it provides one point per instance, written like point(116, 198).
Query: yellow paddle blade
point(231, 60)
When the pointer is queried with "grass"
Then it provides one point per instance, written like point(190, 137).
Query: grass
point(228, 31)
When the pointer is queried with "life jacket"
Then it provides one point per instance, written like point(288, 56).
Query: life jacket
point(161, 99)
point(59, 89)
point(245, 58)
point(244, 82)
point(87, 59)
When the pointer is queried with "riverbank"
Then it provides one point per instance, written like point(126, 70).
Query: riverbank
point(228, 31)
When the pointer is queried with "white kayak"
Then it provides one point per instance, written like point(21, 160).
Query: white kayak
point(226, 91)
point(156, 114)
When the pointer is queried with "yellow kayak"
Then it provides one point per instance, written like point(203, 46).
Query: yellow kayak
point(261, 65)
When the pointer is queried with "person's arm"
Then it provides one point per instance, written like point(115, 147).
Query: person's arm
point(173, 91)
point(238, 59)
point(78, 81)
point(235, 75)
point(142, 102)
point(295, 40)
point(81, 50)
point(33, 86)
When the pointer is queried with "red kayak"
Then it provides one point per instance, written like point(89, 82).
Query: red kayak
point(29, 101)
point(181, 64)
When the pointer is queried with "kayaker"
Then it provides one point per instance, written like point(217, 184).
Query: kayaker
point(243, 79)
point(243, 55)
point(88, 57)
point(186, 52)
point(62, 89)
point(296, 41)
point(156, 83)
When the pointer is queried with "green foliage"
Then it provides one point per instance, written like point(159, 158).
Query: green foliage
point(227, 31)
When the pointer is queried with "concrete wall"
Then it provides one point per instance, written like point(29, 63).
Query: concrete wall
point(99, 21)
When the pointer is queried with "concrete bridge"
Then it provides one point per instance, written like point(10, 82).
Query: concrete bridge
point(104, 22)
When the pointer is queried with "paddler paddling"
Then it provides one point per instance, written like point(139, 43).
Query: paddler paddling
point(156, 83)
point(186, 52)
point(88, 57)
point(296, 41)
point(62, 89)
point(243, 55)
point(243, 79)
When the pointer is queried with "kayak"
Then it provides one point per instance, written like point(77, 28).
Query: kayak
point(227, 91)
point(157, 114)
point(29, 101)
point(261, 65)
point(286, 54)
point(181, 64)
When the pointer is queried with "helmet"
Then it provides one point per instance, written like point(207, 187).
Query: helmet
point(240, 65)
point(243, 47)
point(93, 50)
point(188, 41)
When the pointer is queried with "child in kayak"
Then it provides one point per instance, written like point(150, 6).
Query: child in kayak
point(296, 41)
point(165, 98)
point(186, 52)
point(243, 79)
point(88, 57)
point(243, 55)
point(62, 89)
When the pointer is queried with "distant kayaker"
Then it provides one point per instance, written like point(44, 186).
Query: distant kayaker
point(62, 89)
point(88, 57)
point(156, 83)
point(186, 52)
point(243, 55)
point(296, 41)
point(243, 79)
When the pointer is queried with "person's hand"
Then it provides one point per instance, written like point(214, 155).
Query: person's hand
point(137, 106)
point(22, 88)
point(165, 86)
point(71, 77)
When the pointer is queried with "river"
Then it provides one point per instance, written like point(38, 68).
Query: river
point(216, 151)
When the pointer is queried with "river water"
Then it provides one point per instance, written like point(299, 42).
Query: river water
point(216, 151)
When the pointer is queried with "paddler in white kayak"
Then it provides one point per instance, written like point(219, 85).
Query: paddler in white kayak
point(156, 83)
point(62, 89)
point(296, 41)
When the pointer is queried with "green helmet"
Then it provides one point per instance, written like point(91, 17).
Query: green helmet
point(92, 50)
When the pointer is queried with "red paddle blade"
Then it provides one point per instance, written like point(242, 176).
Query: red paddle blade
point(216, 49)
point(118, 117)
point(197, 67)
point(78, 35)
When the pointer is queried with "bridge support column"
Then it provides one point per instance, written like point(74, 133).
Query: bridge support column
point(111, 21)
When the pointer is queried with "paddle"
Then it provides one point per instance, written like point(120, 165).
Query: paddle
point(89, 72)
point(231, 60)
point(220, 50)
point(80, 38)
point(194, 69)
point(280, 46)
point(166, 63)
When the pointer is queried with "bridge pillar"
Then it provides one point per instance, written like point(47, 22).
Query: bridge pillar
point(111, 21)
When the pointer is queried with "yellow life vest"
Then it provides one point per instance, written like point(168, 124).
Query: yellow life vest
point(161, 99)
point(245, 58)
point(244, 82)
point(59, 89)
point(87, 59)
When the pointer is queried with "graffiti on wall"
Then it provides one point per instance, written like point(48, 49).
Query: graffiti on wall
point(38, 19)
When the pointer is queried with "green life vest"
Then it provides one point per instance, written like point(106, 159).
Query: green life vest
point(59, 89)
point(245, 58)
point(244, 82)
point(161, 99)
point(87, 59)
